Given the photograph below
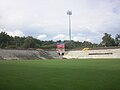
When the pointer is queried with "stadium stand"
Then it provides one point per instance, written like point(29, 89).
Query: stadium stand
point(7, 54)
point(103, 53)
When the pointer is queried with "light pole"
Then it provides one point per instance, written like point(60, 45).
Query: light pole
point(69, 13)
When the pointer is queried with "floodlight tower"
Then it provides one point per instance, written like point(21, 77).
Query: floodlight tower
point(69, 13)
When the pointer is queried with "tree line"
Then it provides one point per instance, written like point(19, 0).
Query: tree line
point(29, 42)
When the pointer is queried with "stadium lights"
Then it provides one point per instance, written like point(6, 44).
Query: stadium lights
point(69, 13)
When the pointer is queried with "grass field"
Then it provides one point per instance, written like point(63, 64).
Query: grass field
point(60, 75)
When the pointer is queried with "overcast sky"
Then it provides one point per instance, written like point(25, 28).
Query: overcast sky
point(47, 19)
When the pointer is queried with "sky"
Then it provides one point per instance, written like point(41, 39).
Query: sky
point(48, 19)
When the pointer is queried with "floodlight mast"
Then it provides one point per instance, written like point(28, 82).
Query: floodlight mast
point(69, 13)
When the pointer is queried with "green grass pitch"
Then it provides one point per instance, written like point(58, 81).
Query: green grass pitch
point(60, 74)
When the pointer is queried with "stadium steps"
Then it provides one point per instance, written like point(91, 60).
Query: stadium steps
point(104, 53)
point(23, 54)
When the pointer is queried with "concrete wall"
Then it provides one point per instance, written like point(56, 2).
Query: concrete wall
point(104, 53)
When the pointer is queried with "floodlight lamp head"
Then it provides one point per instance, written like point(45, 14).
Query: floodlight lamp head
point(69, 12)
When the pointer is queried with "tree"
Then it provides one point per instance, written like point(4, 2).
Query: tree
point(117, 40)
point(4, 39)
point(108, 40)
point(29, 42)
point(87, 44)
point(7, 41)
